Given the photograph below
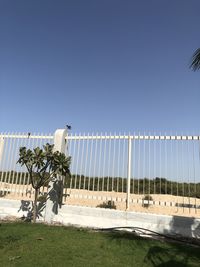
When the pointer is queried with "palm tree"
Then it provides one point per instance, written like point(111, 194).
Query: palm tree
point(195, 65)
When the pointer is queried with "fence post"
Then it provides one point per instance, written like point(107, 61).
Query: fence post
point(55, 187)
point(128, 172)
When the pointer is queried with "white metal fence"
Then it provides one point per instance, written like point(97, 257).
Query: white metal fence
point(150, 173)
point(14, 179)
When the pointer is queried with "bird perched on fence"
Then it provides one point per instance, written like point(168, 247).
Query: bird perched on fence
point(68, 127)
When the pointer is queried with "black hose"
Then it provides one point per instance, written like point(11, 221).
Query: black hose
point(189, 241)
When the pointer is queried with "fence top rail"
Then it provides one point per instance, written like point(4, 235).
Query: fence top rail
point(135, 137)
point(95, 137)
point(31, 136)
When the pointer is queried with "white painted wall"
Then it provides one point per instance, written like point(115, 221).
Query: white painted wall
point(105, 218)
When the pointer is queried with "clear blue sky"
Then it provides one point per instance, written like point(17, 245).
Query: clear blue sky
point(99, 65)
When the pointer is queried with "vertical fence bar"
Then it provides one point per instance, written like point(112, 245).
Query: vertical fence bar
point(90, 163)
point(113, 163)
point(149, 168)
point(118, 165)
point(160, 163)
point(17, 184)
point(194, 176)
point(183, 174)
point(77, 162)
point(12, 171)
point(165, 168)
point(128, 173)
point(81, 164)
point(154, 165)
point(189, 173)
point(104, 163)
point(108, 177)
point(123, 164)
point(144, 164)
point(19, 191)
point(9, 142)
point(1, 147)
point(85, 167)
point(139, 155)
point(99, 163)
point(95, 163)
point(40, 142)
point(177, 174)
point(133, 166)
point(73, 165)
point(171, 171)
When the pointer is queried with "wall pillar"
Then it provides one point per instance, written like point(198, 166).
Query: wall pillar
point(55, 187)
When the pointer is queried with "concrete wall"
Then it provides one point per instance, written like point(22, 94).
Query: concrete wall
point(105, 218)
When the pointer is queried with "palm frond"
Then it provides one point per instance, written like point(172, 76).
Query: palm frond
point(195, 65)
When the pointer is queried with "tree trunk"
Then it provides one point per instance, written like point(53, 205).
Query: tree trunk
point(35, 206)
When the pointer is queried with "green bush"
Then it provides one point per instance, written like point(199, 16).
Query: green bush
point(110, 204)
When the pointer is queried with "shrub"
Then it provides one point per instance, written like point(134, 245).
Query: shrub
point(146, 198)
point(110, 204)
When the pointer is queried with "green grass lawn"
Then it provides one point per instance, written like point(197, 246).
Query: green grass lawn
point(24, 244)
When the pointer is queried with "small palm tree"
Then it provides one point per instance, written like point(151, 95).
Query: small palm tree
point(195, 65)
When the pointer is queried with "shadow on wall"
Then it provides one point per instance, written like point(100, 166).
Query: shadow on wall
point(54, 195)
point(27, 208)
point(184, 226)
